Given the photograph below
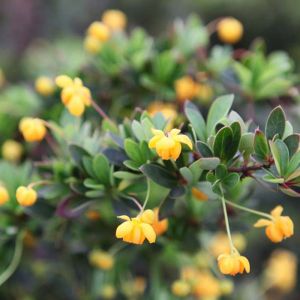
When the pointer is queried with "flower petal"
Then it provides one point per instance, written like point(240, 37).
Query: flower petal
point(277, 211)
point(184, 139)
point(262, 223)
point(123, 217)
point(174, 132)
point(149, 232)
point(124, 229)
point(157, 132)
point(152, 143)
point(175, 151)
point(245, 262)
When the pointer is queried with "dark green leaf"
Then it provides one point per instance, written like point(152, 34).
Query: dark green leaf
point(101, 169)
point(159, 175)
point(292, 143)
point(280, 154)
point(204, 149)
point(275, 123)
point(261, 148)
point(223, 143)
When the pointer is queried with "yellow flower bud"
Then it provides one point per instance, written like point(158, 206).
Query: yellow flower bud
point(12, 150)
point(180, 288)
point(99, 30)
point(33, 129)
point(186, 88)
point(108, 292)
point(102, 260)
point(230, 30)
point(44, 86)
point(26, 196)
point(92, 44)
point(4, 196)
point(114, 19)
point(63, 81)
point(93, 215)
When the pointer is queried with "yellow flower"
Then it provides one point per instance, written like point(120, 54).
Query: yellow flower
point(230, 30)
point(4, 196)
point(26, 196)
point(44, 86)
point(220, 244)
point(114, 19)
point(136, 230)
point(281, 271)
point(99, 31)
point(232, 264)
point(186, 88)
point(199, 195)
point(168, 110)
point(102, 260)
point(278, 227)
point(169, 145)
point(180, 288)
point(159, 226)
point(33, 129)
point(75, 96)
point(92, 44)
point(12, 150)
point(108, 292)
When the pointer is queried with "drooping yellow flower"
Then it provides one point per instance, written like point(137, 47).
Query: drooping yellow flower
point(159, 226)
point(75, 96)
point(101, 259)
point(32, 129)
point(168, 110)
point(220, 244)
point(180, 288)
point(4, 196)
point(26, 196)
point(186, 88)
point(199, 195)
point(168, 145)
point(281, 271)
point(230, 30)
point(12, 150)
point(99, 31)
point(136, 230)
point(278, 227)
point(116, 20)
point(92, 44)
point(232, 264)
point(44, 86)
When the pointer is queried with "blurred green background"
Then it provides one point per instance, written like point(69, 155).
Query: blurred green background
point(23, 22)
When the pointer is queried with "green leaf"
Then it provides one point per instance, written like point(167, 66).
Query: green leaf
point(102, 169)
point(77, 153)
point(132, 165)
point(196, 119)
point(187, 174)
point(292, 142)
point(231, 180)
point(236, 134)
point(88, 165)
point(275, 123)
point(247, 144)
point(261, 148)
point(272, 179)
point(221, 171)
point(204, 149)
point(133, 151)
point(138, 131)
point(223, 143)
point(208, 163)
point(127, 175)
point(280, 154)
point(294, 164)
point(218, 110)
point(196, 170)
point(159, 175)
